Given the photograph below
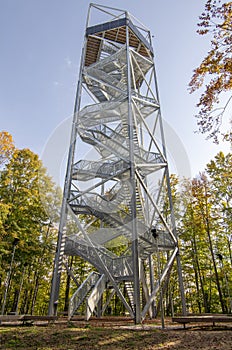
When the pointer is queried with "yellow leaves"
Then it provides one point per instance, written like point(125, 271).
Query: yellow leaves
point(6, 146)
point(4, 209)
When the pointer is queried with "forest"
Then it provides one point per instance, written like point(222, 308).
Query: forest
point(29, 217)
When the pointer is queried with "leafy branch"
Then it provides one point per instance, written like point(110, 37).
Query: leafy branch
point(215, 70)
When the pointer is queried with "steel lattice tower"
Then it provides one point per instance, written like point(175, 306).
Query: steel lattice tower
point(118, 196)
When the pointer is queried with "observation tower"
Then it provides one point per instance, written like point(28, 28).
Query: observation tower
point(117, 187)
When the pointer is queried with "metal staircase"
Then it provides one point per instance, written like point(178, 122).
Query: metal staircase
point(95, 296)
point(98, 256)
point(124, 177)
point(90, 291)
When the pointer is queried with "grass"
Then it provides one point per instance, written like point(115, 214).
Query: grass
point(57, 337)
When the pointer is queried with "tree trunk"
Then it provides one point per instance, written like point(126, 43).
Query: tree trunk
point(212, 253)
point(196, 271)
point(205, 298)
point(229, 248)
point(36, 288)
point(67, 288)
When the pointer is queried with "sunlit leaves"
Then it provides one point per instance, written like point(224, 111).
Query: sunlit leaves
point(29, 210)
point(215, 71)
point(206, 232)
point(6, 147)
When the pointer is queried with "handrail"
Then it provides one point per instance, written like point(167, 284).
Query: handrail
point(79, 296)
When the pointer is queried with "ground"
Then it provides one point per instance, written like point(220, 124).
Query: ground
point(114, 335)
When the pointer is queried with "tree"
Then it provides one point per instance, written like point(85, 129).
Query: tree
point(6, 150)
point(209, 223)
point(215, 71)
point(194, 249)
point(220, 172)
point(27, 192)
point(6, 147)
point(205, 243)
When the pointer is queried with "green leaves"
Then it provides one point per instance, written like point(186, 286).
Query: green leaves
point(206, 232)
point(29, 208)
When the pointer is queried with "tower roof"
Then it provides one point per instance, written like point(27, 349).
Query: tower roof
point(114, 31)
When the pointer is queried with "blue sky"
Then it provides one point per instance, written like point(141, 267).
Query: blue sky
point(41, 44)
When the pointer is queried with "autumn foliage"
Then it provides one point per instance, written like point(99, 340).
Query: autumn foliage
point(215, 71)
point(6, 146)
